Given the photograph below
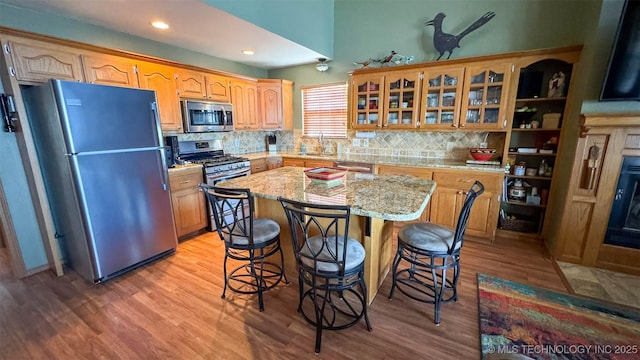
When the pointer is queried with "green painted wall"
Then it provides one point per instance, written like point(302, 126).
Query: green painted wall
point(372, 28)
point(306, 22)
point(57, 26)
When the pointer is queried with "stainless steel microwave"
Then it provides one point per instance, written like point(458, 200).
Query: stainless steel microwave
point(205, 116)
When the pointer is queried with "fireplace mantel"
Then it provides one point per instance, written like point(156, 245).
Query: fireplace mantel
point(605, 139)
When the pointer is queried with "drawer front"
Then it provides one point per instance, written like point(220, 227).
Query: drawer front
point(464, 180)
point(185, 180)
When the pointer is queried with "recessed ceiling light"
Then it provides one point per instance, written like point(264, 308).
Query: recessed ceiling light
point(159, 25)
point(248, 52)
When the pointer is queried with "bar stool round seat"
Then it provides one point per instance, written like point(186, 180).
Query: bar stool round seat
point(333, 294)
point(433, 254)
point(252, 242)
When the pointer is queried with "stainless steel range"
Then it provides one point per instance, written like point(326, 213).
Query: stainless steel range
point(217, 166)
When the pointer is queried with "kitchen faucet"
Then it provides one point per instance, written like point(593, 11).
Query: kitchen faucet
point(320, 137)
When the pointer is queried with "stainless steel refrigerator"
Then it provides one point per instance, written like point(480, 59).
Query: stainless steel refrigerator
point(101, 152)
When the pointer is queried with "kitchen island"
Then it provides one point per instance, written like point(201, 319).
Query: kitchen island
point(375, 200)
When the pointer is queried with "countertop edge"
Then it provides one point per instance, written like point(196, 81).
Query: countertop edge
point(381, 161)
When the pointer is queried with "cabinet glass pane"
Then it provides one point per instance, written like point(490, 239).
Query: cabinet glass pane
point(373, 118)
point(446, 117)
point(478, 78)
point(435, 81)
point(431, 117)
point(493, 95)
point(392, 118)
point(473, 116)
point(495, 77)
point(448, 99)
point(407, 117)
point(450, 80)
point(491, 116)
point(433, 99)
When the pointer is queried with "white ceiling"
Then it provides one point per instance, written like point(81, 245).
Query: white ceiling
point(194, 25)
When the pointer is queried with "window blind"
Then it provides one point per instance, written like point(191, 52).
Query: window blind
point(324, 110)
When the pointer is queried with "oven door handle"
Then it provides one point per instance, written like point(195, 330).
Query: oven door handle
point(229, 176)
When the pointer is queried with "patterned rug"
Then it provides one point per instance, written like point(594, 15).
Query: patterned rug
point(523, 322)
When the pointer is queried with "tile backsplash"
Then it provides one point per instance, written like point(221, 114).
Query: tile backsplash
point(440, 145)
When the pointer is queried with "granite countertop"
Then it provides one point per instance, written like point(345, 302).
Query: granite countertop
point(386, 160)
point(389, 197)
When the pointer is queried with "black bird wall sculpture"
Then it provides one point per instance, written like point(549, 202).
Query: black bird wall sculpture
point(444, 42)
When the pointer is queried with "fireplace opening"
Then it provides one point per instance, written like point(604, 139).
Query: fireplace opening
point(624, 221)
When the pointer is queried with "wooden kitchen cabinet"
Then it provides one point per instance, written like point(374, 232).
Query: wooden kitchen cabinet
point(274, 162)
point(36, 62)
point(191, 84)
point(218, 88)
point(401, 99)
point(485, 96)
point(420, 172)
point(275, 104)
point(258, 165)
point(244, 97)
point(162, 79)
point(367, 92)
point(441, 97)
point(110, 70)
point(189, 203)
point(309, 163)
point(451, 191)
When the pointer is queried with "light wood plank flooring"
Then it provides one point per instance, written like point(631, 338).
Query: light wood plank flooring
point(171, 309)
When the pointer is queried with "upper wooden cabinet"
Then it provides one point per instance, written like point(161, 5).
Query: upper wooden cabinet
point(37, 62)
point(244, 97)
point(485, 96)
point(275, 104)
point(367, 92)
point(402, 91)
point(191, 84)
point(162, 79)
point(110, 70)
point(218, 88)
point(441, 97)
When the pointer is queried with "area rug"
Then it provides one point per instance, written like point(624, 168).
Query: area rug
point(518, 321)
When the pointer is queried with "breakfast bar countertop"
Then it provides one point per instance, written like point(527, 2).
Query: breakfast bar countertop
point(387, 197)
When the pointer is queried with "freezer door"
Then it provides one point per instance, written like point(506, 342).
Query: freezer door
point(126, 204)
point(101, 118)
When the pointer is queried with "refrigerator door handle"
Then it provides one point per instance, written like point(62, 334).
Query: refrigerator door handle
point(163, 157)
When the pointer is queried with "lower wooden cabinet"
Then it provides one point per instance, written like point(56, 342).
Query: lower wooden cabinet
point(189, 203)
point(258, 165)
point(305, 162)
point(408, 170)
point(274, 162)
point(451, 191)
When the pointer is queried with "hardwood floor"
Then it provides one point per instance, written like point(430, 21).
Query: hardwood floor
point(172, 309)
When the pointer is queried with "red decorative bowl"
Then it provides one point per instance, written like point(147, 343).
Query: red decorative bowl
point(482, 154)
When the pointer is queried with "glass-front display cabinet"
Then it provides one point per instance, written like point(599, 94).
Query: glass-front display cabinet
point(441, 96)
point(485, 97)
point(401, 104)
point(368, 94)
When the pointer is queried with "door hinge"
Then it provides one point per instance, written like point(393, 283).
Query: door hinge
point(421, 76)
point(12, 71)
point(135, 69)
point(504, 123)
point(6, 48)
point(513, 68)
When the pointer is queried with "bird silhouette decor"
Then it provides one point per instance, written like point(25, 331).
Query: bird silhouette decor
point(392, 58)
point(446, 43)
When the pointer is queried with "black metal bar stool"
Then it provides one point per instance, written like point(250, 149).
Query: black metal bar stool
point(333, 294)
point(246, 239)
point(432, 252)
